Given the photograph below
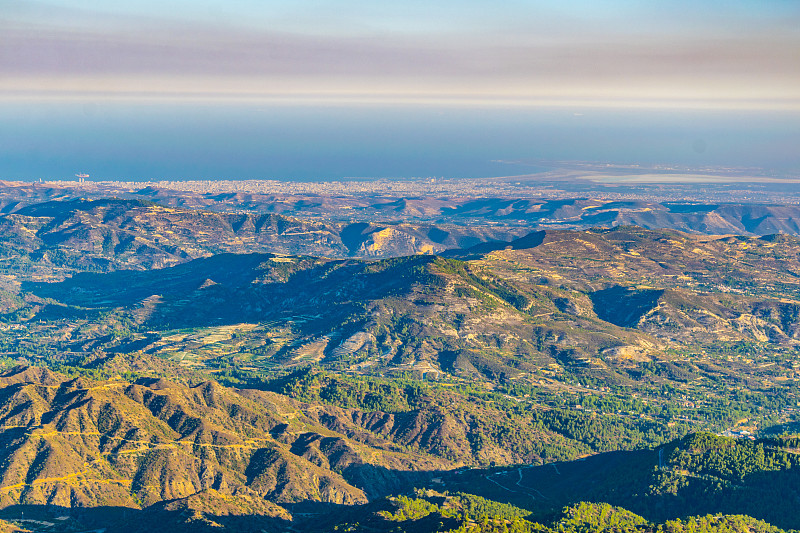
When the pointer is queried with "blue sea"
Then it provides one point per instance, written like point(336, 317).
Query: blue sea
point(183, 141)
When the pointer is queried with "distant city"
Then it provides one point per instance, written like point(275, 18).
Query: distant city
point(657, 185)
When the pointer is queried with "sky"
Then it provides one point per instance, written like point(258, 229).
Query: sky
point(715, 54)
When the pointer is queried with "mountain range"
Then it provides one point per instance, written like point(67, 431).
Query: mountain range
point(196, 370)
point(381, 209)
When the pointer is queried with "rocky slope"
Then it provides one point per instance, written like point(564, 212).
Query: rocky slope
point(77, 442)
point(211, 450)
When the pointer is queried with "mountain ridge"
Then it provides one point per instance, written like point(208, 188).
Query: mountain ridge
point(256, 389)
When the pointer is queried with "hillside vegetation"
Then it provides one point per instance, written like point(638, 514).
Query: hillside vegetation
point(168, 367)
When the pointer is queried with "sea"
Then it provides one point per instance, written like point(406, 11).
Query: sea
point(150, 141)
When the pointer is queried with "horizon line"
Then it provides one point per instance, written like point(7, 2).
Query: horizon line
point(397, 99)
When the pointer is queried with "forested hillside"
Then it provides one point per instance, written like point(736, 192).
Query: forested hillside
point(151, 379)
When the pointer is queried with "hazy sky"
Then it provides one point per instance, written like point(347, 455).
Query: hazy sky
point(705, 53)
